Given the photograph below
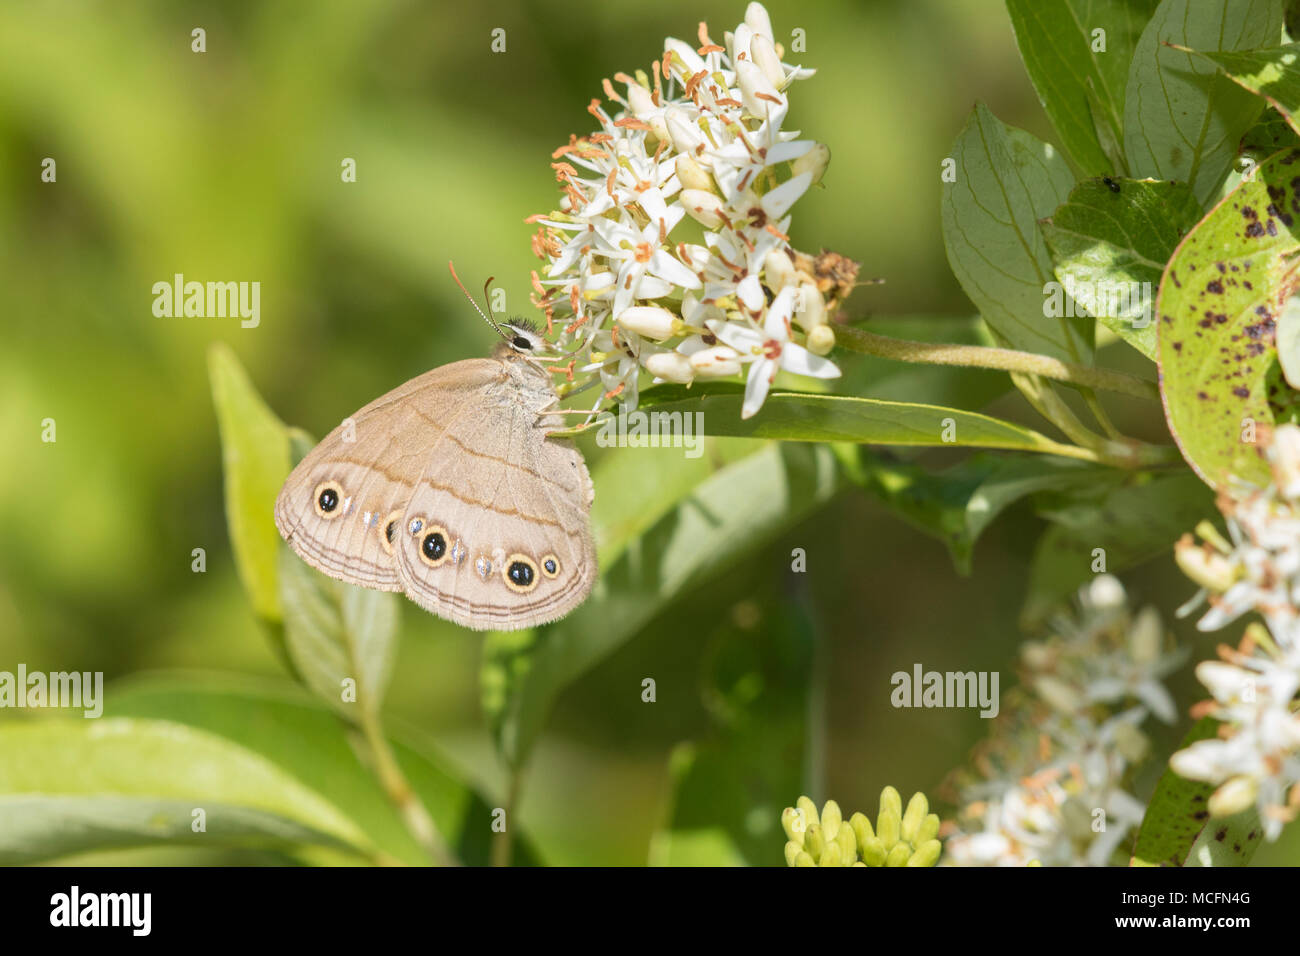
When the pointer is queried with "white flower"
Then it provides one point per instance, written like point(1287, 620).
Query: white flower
point(1060, 762)
point(1254, 688)
point(702, 139)
point(770, 350)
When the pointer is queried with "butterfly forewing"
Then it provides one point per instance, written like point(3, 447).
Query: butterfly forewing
point(366, 471)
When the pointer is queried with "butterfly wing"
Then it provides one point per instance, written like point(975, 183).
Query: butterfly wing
point(502, 535)
point(341, 507)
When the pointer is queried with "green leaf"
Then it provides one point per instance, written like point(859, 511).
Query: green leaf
point(1080, 87)
point(336, 632)
point(796, 416)
point(1131, 524)
point(1006, 181)
point(722, 520)
point(1219, 301)
point(73, 786)
point(302, 737)
point(1176, 813)
point(1178, 830)
point(957, 504)
point(1182, 119)
point(1110, 248)
point(255, 457)
point(1229, 841)
point(638, 486)
point(1273, 74)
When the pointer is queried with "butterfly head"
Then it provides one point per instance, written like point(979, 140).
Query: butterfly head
point(517, 335)
point(525, 338)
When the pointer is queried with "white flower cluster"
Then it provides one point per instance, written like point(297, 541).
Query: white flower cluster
point(701, 140)
point(1255, 687)
point(1057, 763)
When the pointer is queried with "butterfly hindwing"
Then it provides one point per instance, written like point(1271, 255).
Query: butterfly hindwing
point(503, 537)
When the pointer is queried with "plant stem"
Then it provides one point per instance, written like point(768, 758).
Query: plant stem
point(1121, 452)
point(1005, 360)
point(398, 790)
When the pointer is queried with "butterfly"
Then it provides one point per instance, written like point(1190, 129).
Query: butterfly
point(450, 489)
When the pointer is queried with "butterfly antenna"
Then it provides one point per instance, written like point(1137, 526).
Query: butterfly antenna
point(486, 316)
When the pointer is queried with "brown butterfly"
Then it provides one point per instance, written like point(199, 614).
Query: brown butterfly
point(449, 489)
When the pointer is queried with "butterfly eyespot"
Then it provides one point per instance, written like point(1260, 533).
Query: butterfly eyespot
point(520, 573)
point(433, 546)
point(326, 499)
point(550, 566)
point(389, 537)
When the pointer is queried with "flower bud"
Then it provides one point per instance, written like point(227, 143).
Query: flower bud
point(927, 854)
point(720, 361)
point(814, 161)
point(803, 859)
point(756, 19)
point(792, 851)
point(1145, 636)
point(778, 270)
point(810, 307)
point(809, 810)
point(899, 855)
point(831, 856)
point(848, 844)
point(692, 175)
point(1106, 593)
point(792, 822)
point(815, 842)
point(1194, 764)
point(873, 852)
point(890, 818)
point(652, 321)
point(862, 831)
point(752, 82)
point(831, 819)
point(1204, 565)
point(917, 809)
point(929, 829)
point(1234, 796)
point(1285, 454)
point(703, 207)
point(639, 100)
point(821, 340)
point(763, 53)
point(1057, 694)
point(685, 135)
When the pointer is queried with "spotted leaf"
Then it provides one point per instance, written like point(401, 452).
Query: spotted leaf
point(1219, 301)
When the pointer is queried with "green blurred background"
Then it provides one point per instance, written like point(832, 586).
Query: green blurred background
point(225, 166)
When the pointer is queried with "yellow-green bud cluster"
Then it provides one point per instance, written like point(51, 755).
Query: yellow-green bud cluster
point(899, 839)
